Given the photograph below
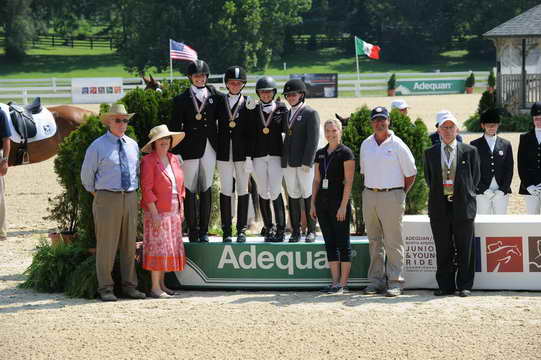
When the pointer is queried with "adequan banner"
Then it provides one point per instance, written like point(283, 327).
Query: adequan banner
point(96, 90)
point(430, 87)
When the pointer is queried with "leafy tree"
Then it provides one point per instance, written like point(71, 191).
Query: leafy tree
point(19, 27)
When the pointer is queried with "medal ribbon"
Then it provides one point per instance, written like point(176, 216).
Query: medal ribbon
point(291, 120)
point(233, 116)
point(267, 122)
point(204, 103)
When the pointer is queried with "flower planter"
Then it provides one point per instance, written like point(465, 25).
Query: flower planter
point(61, 238)
point(391, 92)
point(469, 90)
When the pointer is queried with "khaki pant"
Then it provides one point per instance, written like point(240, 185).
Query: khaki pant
point(382, 213)
point(3, 222)
point(115, 220)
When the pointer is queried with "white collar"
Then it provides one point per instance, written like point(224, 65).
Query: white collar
point(198, 91)
point(233, 97)
point(489, 138)
point(537, 129)
point(453, 144)
point(267, 108)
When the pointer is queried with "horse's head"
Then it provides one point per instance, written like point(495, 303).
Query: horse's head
point(343, 120)
point(152, 84)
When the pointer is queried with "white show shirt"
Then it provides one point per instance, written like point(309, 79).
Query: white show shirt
point(171, 176)
point(538, 135)
point(384, 166)
point(233, 100)
point(491, 141)
point(200, 93)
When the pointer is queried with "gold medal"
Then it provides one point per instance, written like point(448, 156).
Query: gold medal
point(232, 124)
point(198, 116)
point(266, 130)
point(290, 132)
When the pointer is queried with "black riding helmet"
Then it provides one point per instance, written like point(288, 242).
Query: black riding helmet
point(536, 109)
point(235, 73)
point(295, 86)
point(266, 83)
point(198, 67)
point(490, 116)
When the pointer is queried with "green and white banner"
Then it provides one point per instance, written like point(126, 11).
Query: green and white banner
point(428, 87)
point(266, 265)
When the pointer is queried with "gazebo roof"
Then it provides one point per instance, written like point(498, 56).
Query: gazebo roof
point(527, 24)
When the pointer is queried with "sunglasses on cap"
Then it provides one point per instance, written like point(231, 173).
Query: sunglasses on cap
point(125, 121)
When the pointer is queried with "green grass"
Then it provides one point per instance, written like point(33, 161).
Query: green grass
point(67, 62)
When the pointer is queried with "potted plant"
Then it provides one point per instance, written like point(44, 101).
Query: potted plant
point(491, 82)
point(470, 82)
point(391, 85)
point(63, 209)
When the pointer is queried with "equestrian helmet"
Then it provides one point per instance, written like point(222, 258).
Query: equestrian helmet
point(198, 67)
point(235, 73)
point(536, 109)
point(294, 86)
point(490, 116)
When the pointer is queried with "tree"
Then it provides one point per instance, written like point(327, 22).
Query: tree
point(19, 27)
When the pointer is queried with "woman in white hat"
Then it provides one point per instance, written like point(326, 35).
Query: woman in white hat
point(162, 187)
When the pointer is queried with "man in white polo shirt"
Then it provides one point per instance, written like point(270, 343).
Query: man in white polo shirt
point(389, 171)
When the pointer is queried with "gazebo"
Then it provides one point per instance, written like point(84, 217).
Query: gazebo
point(518, 59)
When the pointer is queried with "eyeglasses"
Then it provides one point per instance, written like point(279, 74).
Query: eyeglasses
point(125, 121)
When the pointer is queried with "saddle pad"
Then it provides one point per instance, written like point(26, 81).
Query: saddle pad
point(45, 125)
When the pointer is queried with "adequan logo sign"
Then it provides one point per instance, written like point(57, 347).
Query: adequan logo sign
point(504, 254)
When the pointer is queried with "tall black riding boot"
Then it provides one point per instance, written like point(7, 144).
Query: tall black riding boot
point(295, 214)
point(225, 213)
point(310, 223)
point(205, 204)
point(242, 217)
point(266, 214)
point(190, 213)
point(280, 215)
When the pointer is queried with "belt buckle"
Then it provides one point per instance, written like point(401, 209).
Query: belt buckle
point(449, 198)
point(377, 190)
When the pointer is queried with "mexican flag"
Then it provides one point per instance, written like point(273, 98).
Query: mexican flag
point(364, 48)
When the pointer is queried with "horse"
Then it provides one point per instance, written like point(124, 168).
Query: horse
point(152, 84)
point(67, 118)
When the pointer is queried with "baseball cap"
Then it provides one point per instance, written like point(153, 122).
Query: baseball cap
point(445, 115)
point(399, 104)
point(379, 111)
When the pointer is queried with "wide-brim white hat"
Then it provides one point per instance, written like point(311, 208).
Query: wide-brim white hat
point(445, 115)
point(117, 111)
point(161, 131)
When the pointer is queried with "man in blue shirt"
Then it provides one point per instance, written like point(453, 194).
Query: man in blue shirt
point(110, 173)
point(5, 133)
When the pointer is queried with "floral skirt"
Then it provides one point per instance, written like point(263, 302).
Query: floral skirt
point(163, 249)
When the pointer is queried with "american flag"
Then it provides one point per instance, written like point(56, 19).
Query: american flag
point(180, 51)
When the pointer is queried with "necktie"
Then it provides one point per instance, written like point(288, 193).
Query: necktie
point(448, 171)
point(448, 150)
point(124, 169)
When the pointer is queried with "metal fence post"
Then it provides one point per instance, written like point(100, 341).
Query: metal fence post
point(25, 97)
point(54, 84)
point(357, 89)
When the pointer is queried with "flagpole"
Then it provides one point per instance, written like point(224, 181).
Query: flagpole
point(358, 94)
point(170, 64)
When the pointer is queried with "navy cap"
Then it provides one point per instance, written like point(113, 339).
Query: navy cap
point(536, 109)
point(379, 111)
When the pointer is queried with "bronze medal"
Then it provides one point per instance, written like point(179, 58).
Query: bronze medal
point(266, 130)
point(290, 132)
point(198, 116)
point(232, 124)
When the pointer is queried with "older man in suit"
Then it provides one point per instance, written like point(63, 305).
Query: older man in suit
point(300, 144)
point(452, 172)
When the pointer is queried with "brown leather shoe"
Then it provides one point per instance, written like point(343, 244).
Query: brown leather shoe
point(134, 294)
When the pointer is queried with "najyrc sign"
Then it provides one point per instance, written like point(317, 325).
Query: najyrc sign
point(261, 265)
point(428, 87)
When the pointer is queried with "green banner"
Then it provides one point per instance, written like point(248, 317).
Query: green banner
point(424, 87)
point(266, 265)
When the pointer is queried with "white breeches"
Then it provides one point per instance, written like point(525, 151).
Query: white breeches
point(496, 205)
point(268, 176)
point(199, 173)
point(299, 182)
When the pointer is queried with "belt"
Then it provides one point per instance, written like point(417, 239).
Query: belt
point(384, 190)
point(117, 191)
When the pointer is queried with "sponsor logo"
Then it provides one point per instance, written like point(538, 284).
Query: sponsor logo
point(432, 86)
point(504, 254)
point(290, 261)
point(534, 247)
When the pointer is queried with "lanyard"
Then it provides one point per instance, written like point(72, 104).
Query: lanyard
point(325, 164)
point(291, 120)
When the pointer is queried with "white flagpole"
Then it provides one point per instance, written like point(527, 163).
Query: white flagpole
point(357, 93)
point(170, 64)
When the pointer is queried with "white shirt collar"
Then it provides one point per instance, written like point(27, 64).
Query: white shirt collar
point(267, 108)
point(233, 99)
point(489, 138)
point(200, 94)
point(453, 145)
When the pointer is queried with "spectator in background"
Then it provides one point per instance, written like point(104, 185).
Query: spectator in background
point(162, 187)
point(331, 191)
point(529, 163)
point(5, 144)
point(401, 105)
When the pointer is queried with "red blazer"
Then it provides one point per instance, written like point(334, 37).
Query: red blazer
point(156, 185)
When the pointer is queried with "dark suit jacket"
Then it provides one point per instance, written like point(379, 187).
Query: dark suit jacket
point(467, 177)
point(271, 143)
point(239, 134)
point(529, 161)
point(197, 131)
point(435, 138)
point(300, 148)
point(498, 163)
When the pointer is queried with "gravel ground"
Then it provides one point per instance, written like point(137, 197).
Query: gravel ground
point(250, 324)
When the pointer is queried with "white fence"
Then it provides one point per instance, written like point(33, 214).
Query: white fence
point(370, 84)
